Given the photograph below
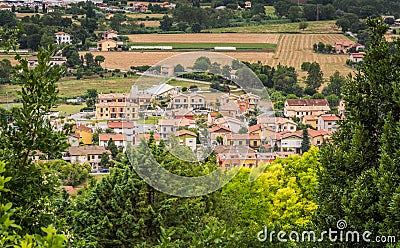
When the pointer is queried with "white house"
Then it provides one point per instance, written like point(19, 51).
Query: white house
point(328, 122)
point(357, 57)
point(63, 38)
point(120, 140)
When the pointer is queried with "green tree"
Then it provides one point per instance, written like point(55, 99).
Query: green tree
point(314, 78)
point(5, 71)
point(28, 134)
point(46, 39)
point(202, 64)
point(99, 59)
point(335, 84)
point(360, 176)
point(166, 23)
point(305, 143)
point(178, 69)
point(303, 25)
point(105, 160)
point(89, 58)
point(196, 28)
point(295, 13)
point(112, 148)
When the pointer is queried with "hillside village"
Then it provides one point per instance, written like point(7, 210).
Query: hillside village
point(225, 125)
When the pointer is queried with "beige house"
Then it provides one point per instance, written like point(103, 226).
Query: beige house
point(107, 45)
point(357, 57)
point(343, 46)
point(279, 124)
point(300, 107)
point(167, 126)
point(236, 139)
point(54, 60)
point(192, 100)
point(218, 131)
point(86, 154)
point(311, 120)
point(140, 98)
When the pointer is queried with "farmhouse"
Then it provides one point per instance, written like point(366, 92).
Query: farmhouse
point(110, 34)
point(62, 38)
point(357, 57)
point(343, 46)
point(301, 107)
point(54, 60)
point(107, 45)
point(86, 154)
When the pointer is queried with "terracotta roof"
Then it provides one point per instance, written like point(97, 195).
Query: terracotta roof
point(113, 136)
point(242, 136)
point(254, 128)
point(120, 124)
point(314, 133)
point(183, 132)
point(217, 128)
point(82, 128)
point(87, 150)
point(233, 149)
point(307, 102)
point(298, 133)
point(104, 40)
point(330, 117)
point(358, 55)
point(138, 137)
point(61, 33)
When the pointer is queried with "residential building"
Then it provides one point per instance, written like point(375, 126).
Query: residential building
point(187, 138)
point(54, 60)
point(123, 127)
point(229, 109)
point(261, 130)
point(84, 132)
point(107, 45)
point(236, 139)
point(311, 120)
point(86, 154)
point(291, 141)
point(63, 38)
point(300, 107)
point(318, 137)
point(73, 139)
point(6, 8)
point(140, 98)
point(115, 107)
point(243, 156)
point(146, 136)
point(218, 131)
point(279, 124)
point(328, 122)
point(182, 113)
point(232, 123)
point(252, 100)
point(167, 71)
point(110, 34)
point(167, 126)
point(120, 140)
point(357, 57)
point(343, 46)
point(226, 98)
point(191, 100)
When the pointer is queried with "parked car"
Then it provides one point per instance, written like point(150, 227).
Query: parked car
point(104, 171)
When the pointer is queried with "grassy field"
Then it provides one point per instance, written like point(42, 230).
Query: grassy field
point(293, 27)
point(62, 108)
point(73, 88)
point(144, 16)
point(195, 45)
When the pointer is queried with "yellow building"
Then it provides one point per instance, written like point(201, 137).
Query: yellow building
point(85, 134)
point(106, 45)
point(311, 120)
point(115, 107)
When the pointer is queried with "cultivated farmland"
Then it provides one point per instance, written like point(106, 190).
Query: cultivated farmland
point(291, 49)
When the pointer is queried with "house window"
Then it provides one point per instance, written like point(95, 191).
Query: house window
point(291, 127)
point(231, 142)
point(240, 142)
point(329, 123)
point(200, 100)
point(184, 100)
point(165, 129)
point(254, 143)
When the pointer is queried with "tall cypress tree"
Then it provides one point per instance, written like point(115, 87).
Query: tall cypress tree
point(360, 179)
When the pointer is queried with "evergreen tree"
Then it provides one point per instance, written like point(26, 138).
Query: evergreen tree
point(305, 143)
point(112, 148)
point(314, 77)
point(360, 179)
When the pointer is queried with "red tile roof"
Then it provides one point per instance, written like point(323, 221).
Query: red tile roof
point(138, 137)
point(307, 102)
point(183, 132)
point(82, 128)
point(217, 128)
point(120, 124)
point(113, 136)
point(330, 118)
point(254, 128)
